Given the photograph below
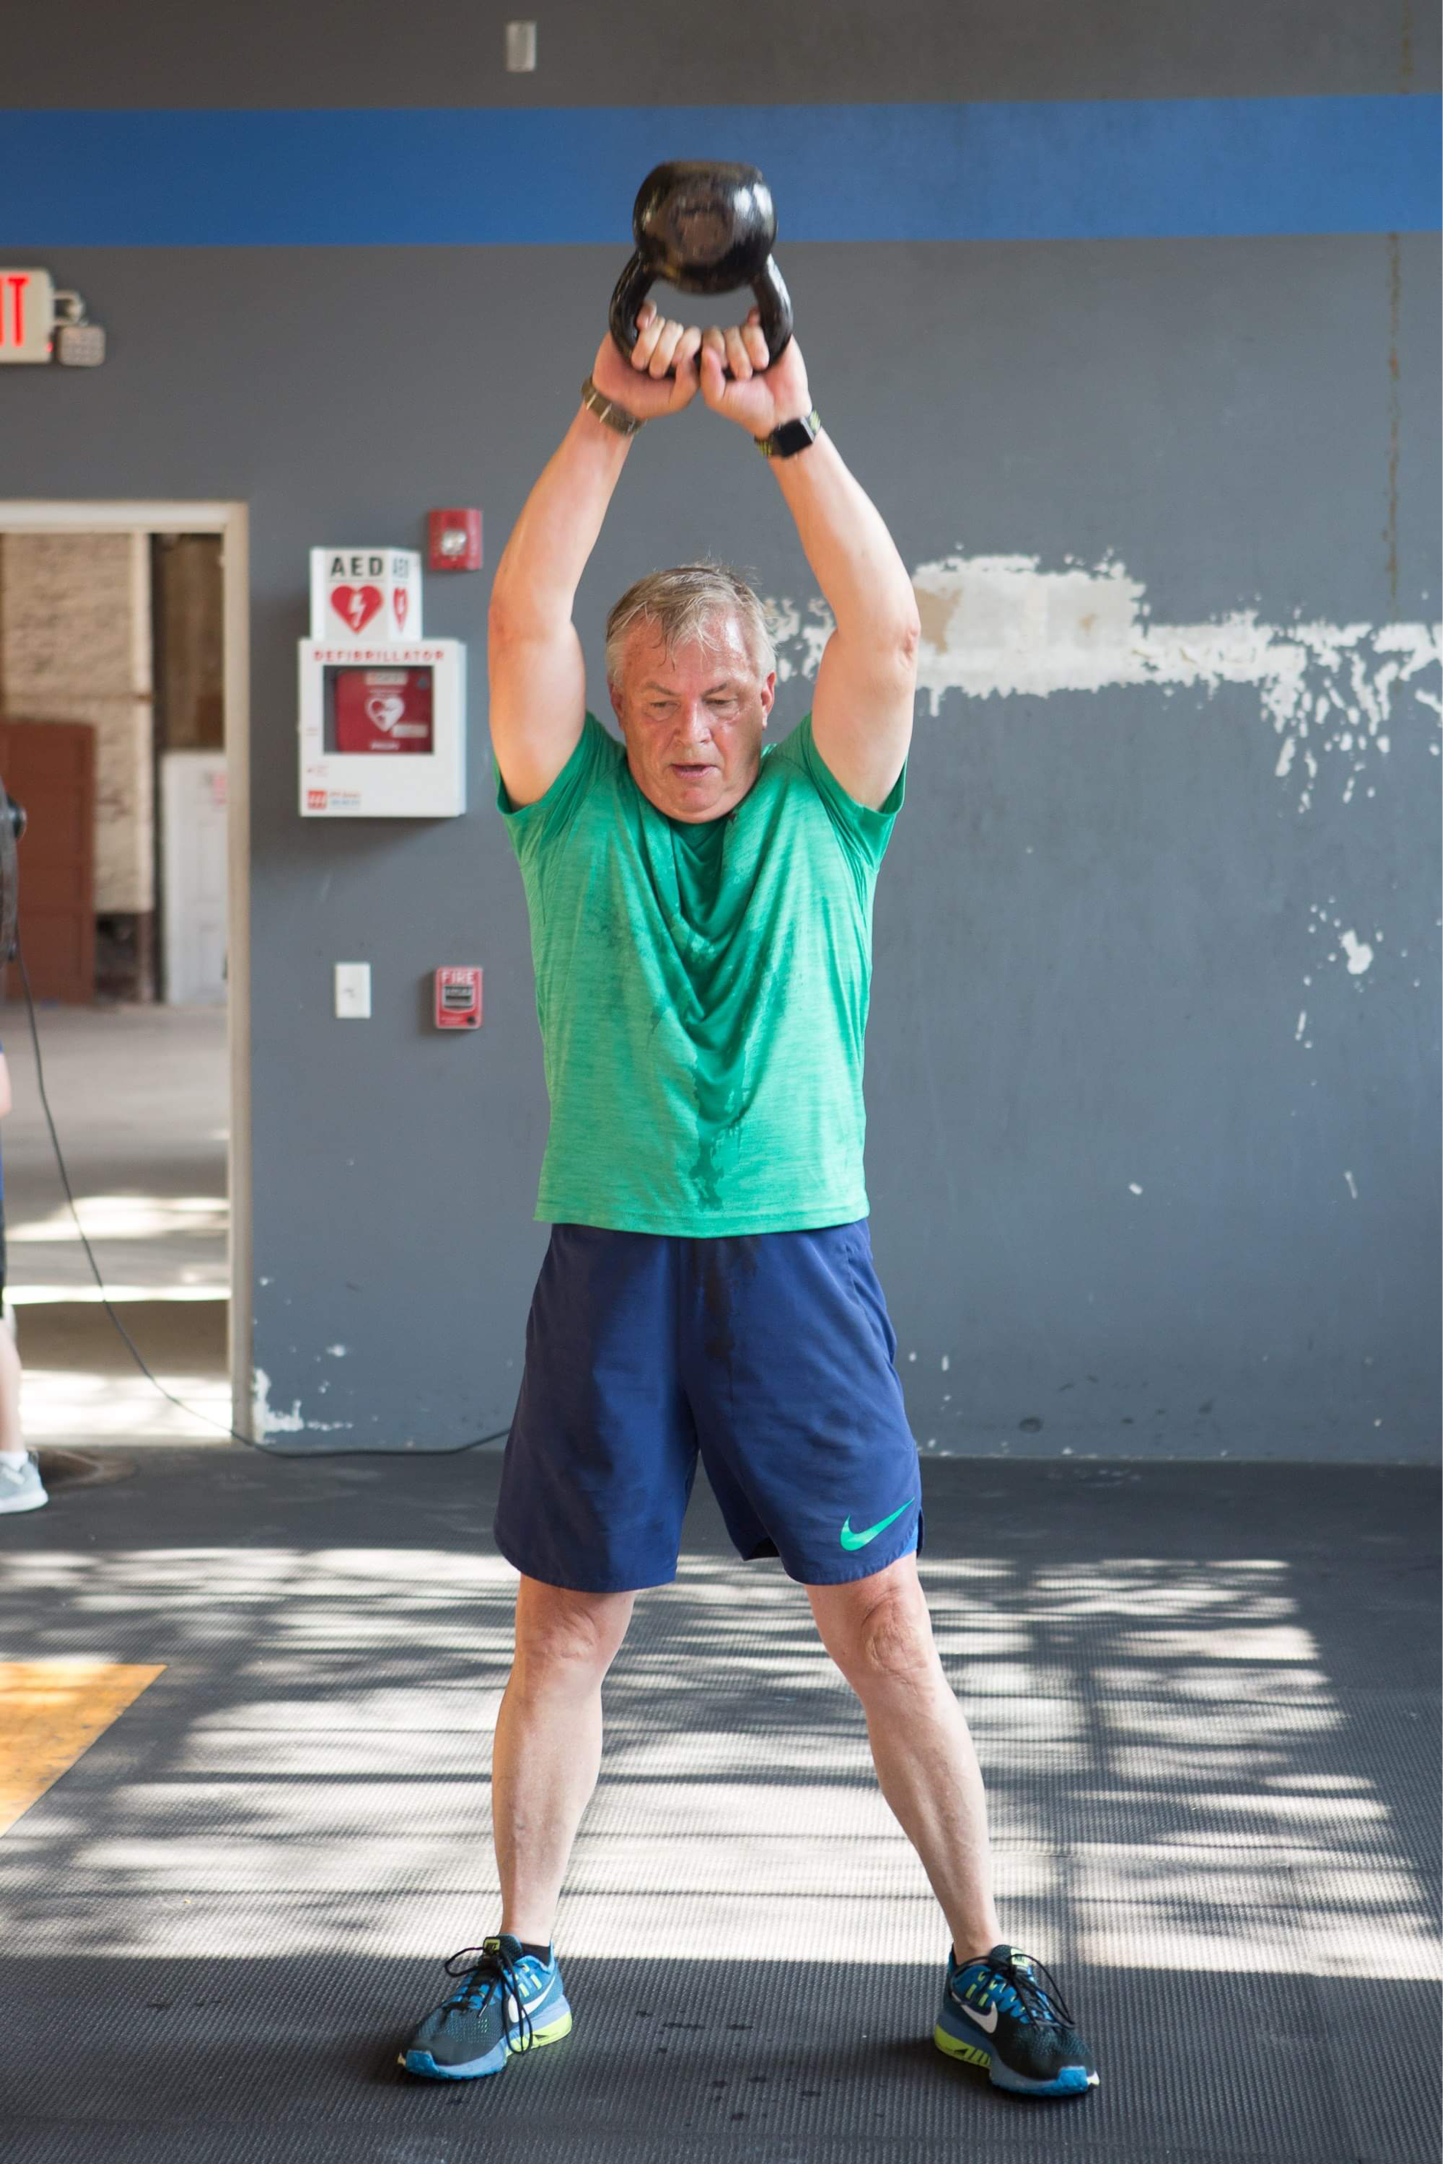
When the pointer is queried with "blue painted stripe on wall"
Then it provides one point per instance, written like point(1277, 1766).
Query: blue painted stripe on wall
point(1037, 171)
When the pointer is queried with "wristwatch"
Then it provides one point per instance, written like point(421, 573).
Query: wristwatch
point(617, 417)
point(791, 437)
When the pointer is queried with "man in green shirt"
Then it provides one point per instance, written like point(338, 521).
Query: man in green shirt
point(701, 911)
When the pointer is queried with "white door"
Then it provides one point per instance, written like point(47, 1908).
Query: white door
point(193, 842)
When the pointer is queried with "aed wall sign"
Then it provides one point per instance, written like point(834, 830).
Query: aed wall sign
point(27, 314)
point(365, 597)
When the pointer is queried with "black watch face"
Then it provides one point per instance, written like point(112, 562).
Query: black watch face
point(794, 435)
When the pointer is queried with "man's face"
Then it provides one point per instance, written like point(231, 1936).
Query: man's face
point(693, 721)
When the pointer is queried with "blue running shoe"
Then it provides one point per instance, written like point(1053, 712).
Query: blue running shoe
point(508, 2001)
point(996, 2014)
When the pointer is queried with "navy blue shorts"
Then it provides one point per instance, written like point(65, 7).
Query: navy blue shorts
point(770, 1354)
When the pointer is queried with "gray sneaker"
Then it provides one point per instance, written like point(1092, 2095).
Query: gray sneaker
point(20, 1485)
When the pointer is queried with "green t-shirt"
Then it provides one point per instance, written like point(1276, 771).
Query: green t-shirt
point(702, 992)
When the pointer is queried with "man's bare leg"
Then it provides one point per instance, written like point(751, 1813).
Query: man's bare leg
point(548, 1744)
point(879, 1633)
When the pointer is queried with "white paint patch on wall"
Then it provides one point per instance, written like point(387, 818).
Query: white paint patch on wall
point(799, 644)
point(267, 1422)
point(1002, 625)
point(275, 1422)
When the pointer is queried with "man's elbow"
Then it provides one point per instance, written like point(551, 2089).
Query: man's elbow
point(901, 639)
point(909, 636)
point(896, 630)
point(886, 633)
point(502, 615)
point(524, 613)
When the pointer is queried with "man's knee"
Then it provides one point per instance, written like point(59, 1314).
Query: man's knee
point(879, 1635)
point(564, 1636)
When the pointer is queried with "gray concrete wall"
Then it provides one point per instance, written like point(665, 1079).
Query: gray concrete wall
point(438, 53)
point(1153, 1145)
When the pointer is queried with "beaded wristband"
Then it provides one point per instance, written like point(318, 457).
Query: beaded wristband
point(617, 417)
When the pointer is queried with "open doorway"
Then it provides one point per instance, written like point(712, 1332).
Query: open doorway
point(124, 735)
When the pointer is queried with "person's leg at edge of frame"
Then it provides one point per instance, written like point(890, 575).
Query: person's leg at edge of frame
point(545, 1763)
point(21, 1487)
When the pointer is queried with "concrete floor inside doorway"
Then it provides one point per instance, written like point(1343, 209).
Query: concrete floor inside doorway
point(1205, 1699)
point(141, 1101)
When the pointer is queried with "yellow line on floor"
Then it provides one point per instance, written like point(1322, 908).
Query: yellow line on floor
point(50, 1714)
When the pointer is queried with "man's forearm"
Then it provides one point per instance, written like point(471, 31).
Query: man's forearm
point(847, 544)
point(542, 562)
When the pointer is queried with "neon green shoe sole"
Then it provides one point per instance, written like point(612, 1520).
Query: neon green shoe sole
point(551, 2034)
point(956, 2049)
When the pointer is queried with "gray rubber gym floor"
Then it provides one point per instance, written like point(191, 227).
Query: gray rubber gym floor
point(1205, 1701)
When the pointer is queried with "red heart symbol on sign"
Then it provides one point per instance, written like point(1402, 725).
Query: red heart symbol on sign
point(401, 599)
point(358, 604)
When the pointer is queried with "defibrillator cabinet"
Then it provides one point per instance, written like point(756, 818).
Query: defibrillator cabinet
point(382, 709)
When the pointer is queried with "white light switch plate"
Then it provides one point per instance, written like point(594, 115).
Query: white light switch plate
point(353, 991)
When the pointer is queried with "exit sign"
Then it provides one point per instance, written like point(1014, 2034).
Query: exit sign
point(27, 314)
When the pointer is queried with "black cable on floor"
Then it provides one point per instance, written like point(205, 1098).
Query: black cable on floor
point(271, 1450)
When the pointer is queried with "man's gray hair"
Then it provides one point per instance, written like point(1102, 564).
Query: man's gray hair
point(684, 606)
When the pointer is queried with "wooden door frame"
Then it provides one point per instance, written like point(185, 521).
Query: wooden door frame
point(231, 522)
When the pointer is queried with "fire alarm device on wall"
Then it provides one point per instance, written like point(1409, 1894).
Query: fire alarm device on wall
point(453, 540)
point(458, 998)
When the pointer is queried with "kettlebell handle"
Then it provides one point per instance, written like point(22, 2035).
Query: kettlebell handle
point(772, 298)
point(703, 228)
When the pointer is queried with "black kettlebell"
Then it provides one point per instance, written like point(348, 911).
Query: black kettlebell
point(704, 229)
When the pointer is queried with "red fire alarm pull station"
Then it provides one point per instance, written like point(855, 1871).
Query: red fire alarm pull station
point(458, 999)
point(455, 540)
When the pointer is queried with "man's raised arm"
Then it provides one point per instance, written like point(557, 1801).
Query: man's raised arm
point(862, 703)
point(538, 678)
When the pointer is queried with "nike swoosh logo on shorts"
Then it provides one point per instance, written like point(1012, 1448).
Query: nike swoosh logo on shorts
point(859, 1540)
